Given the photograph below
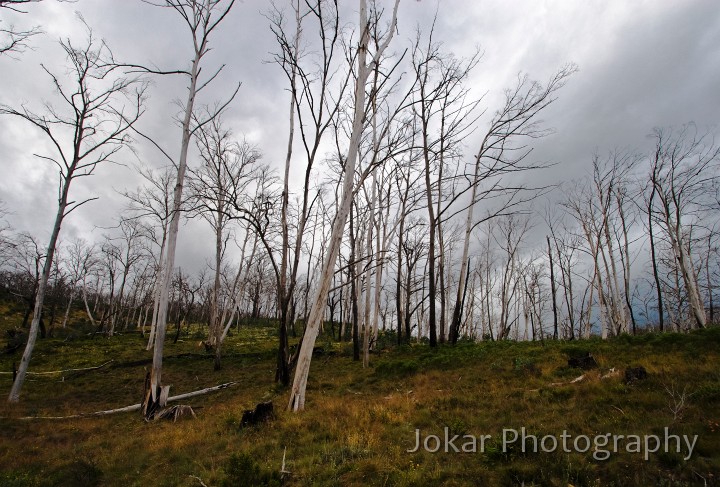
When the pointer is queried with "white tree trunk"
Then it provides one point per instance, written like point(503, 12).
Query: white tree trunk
point(40, 296)
point(688, 274)
point(157, 292)
point(67, 310)
point(297, 393)
point(167, 268)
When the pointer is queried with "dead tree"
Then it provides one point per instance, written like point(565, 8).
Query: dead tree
point(226, 170)
point(444, 117)
point(100, 106)
point(297, 394)
point(317, 95)
point(202, 17)
point(683, 169)
point(503, 152)
point(152, 204)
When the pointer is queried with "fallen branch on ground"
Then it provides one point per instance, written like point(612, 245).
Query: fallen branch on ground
point(53, 372)
point(136, 407)
point(574, 381)
point(556, 384)
point(58, 372)
point(199, 480)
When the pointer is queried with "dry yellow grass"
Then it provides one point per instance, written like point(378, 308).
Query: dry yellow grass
point(359, 423)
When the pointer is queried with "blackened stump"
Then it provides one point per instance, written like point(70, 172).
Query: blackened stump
point(263, 412)
point(585, 362)
point(635, 374)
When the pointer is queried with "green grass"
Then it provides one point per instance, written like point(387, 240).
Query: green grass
point(359, 422)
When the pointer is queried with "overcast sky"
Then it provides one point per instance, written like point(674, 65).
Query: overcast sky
point(642, 64)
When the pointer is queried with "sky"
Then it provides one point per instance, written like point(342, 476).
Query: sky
point(642, 64)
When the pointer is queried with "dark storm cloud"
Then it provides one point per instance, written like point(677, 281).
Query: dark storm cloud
point(642, 64)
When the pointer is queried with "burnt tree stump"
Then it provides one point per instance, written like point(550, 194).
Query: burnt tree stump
point(635, 374)
point(262, 413)
point(585, 361)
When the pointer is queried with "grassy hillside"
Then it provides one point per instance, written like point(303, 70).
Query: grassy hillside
point(359, 423)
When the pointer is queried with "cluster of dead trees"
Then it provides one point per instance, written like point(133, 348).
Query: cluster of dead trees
point(401, 204)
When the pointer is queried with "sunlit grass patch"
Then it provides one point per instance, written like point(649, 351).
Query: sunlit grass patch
point(359, 423)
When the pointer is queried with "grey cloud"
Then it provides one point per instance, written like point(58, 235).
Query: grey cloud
point(642, 64)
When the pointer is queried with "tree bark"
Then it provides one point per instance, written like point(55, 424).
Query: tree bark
point(553, 291)
point(167, 268)
point(297, 394)
point(40, 296)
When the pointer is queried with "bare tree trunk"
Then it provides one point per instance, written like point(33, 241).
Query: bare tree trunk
point(464, 260)
point(302, 371)
point(90, 145)
point(689, 278)
point(709, 281)
point(368, 327)
point(40, 297)
point(432, 225)
point(353, 287)
point(282, 373)
point(618, 304)
point(87, 307)
point(398, 285)
point(653, 258)
point(67, 310)
point(604, 319)
point(625, 259)
point(157, 291)
point(553, 291)
point(167, 268)
point(381, 250)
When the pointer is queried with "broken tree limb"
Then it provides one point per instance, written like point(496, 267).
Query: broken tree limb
point(136, 407)
point(199, 480)
point(188, 395)
point(58, 372)
point(574, 381)
point(175, 412)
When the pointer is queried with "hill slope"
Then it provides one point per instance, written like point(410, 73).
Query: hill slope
point(359, 423)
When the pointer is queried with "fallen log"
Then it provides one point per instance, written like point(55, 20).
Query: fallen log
point(188, 395)
point(136, 407)
point(58, 372)
point(574, 381)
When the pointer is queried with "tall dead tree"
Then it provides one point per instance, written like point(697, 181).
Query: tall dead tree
point(508, 235)
point(201, 17)
point(444, 117)
point(297, 394)
point(99, 106)
point(552, 289)
point(683, 169)
point(650, 209)
point(317, 95)
point(226, 170)
point(152, 204)
point(503, 152)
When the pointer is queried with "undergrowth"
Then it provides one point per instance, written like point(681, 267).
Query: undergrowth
point(360, 423)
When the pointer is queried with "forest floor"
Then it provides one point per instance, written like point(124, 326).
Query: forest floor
point(360, 423)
